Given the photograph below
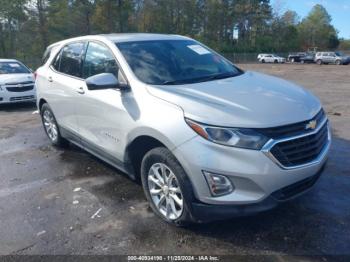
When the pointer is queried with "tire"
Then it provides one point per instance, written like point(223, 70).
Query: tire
point(49, 121)
point(152, 175)
point(302, 61)
point(319, 62)
point(338, 62)
point(276, 62)
point(263, 61)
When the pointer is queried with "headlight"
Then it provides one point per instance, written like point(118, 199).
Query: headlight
point(236, 137)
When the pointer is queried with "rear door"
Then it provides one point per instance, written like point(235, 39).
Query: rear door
point(65, 81)
point(327, 58)
point(268, 58)
point(332, 57)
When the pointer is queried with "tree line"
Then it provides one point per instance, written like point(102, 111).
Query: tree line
point(27, 27)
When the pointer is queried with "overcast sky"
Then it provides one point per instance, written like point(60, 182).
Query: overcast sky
point(338, 9)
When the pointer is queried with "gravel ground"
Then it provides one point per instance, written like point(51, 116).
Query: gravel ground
point(55, 201)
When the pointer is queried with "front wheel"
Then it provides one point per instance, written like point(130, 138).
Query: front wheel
point(51, 126)
point(338, 62)
point(302, 61)
point(319, 62)
point(166, 186)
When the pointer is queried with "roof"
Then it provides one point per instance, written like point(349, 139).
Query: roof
point(126, 37)
point(8, 60)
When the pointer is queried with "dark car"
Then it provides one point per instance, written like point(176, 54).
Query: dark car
point(308, 58)
point(295, 57)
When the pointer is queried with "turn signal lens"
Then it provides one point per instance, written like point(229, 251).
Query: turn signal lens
point(197, 128)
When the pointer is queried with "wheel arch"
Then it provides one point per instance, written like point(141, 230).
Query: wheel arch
point(41, 102)
point(136, 150)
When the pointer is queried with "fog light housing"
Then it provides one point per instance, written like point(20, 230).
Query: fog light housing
point(219, 185)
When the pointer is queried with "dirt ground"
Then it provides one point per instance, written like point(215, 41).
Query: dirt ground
point(55, 201)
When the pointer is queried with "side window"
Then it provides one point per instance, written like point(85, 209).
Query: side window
point(46, 55)
point(70, 59)
point(99, 59)
point(56, 61)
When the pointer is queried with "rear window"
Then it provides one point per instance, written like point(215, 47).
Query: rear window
point(13, 68)
point(69, 59)
point(46, 55)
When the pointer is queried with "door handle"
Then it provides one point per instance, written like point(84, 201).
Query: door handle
point(81, 90)
point(50, 79)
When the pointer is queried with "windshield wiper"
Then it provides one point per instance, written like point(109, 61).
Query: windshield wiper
point(200, 79)
point(222, 76)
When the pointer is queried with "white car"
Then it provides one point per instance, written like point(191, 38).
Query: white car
point(16, 82)
point(271, 58)
point(207, 140)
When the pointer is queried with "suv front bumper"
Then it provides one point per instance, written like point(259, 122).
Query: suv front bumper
point(17, 97)
point(256, 178)
point(206, 213)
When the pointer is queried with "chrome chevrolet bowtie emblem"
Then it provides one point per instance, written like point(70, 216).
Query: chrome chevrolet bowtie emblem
point(311, 125)
point(19, 85)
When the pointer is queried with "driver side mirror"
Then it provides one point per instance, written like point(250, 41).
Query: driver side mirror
point(104, 81)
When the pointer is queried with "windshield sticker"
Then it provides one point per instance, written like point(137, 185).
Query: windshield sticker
point(14, 65)
point(199, 49)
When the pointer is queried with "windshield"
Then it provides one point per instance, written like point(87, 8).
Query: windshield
point(169, 62)
point(13, 68)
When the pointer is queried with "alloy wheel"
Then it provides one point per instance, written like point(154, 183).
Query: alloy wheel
point(165, 191)
point(50, 125)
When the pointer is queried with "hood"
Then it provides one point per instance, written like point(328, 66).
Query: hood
point(15, 78)
point(249, 100)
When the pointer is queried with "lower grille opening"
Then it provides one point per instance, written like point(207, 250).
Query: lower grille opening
point(296, 188)
point(21, 98)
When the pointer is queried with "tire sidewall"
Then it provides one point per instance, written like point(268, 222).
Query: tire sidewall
point(163, 155)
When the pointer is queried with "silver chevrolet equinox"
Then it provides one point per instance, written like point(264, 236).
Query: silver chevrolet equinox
point(208, 140)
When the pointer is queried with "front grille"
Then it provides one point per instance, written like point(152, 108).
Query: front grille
point(22, 83)
point(301, 150)
point(21, 98)
point(292, 129)
point(20, 89)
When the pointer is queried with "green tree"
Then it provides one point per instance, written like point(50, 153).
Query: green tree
point(316, 29)
point(12, 17)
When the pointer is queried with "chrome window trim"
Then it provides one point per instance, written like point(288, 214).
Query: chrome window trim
point(266, 149)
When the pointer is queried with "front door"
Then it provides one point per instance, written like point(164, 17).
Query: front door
point(101, 114)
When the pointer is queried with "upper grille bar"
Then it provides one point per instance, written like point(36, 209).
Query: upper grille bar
point(291, 129)
point(20, 86)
